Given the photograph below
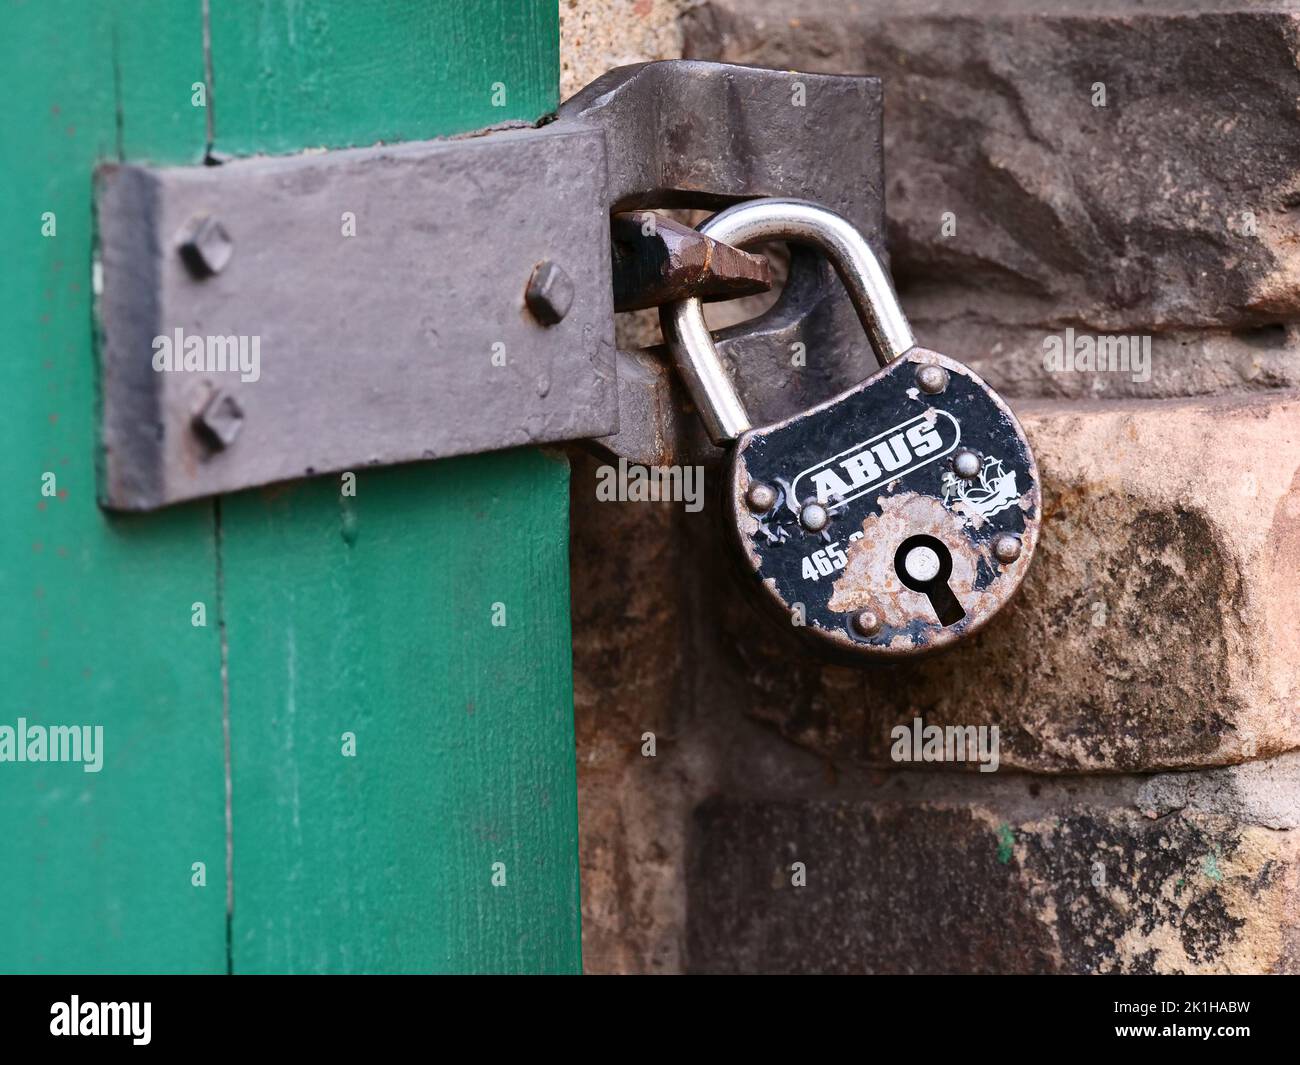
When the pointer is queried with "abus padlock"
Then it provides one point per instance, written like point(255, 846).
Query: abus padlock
point(893, 519)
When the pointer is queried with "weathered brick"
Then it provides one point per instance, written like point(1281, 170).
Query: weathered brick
point(1173, 208)
point(628, 680)
point(1156, 629)
point(597, 35)
point(985, 887)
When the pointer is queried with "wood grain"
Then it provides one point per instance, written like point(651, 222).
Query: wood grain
point(95, 868)
point(369, 614)
point(372, 615)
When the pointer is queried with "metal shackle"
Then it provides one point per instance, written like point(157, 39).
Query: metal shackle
point(754, 222)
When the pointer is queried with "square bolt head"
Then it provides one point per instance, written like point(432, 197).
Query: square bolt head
point(220, 420)
point(549, 294)
point(206, 247)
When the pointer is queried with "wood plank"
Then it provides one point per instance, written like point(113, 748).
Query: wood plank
point(289, 76)
point(372, 615)
point(95, 868)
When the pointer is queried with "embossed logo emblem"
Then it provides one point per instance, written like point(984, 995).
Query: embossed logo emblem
point(897, 451)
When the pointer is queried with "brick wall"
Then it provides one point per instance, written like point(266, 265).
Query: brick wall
point(1145, 815)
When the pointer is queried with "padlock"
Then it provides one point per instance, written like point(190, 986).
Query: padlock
point(897, 517)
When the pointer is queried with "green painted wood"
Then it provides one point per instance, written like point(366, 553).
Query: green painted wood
point(348, 72)
point(95, 868)
point(373, 615)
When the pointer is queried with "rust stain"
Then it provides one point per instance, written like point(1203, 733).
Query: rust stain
point(870, 580)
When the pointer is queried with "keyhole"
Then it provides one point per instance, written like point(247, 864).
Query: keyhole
point(924, 564)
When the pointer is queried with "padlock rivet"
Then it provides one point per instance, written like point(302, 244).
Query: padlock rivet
point(967, 464)
point(814, 517)
point(760, 497)
point(867, 622)
point(932, 379)
point(1006, 548)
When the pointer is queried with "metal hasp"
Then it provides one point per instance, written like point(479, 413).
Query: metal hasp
point(273, 318)
point(407, 340)
point(658, 261)
point(707, 135)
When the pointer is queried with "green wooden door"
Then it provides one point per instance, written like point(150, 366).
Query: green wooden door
point(369, 744)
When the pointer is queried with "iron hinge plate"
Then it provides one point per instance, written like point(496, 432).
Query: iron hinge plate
point(412, 339)
point(408, 340)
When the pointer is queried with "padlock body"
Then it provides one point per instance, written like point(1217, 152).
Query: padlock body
point(926, 496)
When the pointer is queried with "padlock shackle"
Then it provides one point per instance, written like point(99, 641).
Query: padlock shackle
point(801, 222)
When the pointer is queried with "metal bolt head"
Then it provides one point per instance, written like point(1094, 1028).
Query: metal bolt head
point(867, 622)
point(549, 294)
point(220, 420)
point(1006, 548)
point(760, 497)
point(967, 464)
point(814, 517)
point(932, 379)
point(205, 246)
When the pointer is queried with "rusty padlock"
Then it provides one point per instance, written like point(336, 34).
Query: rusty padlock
point(893, 519)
